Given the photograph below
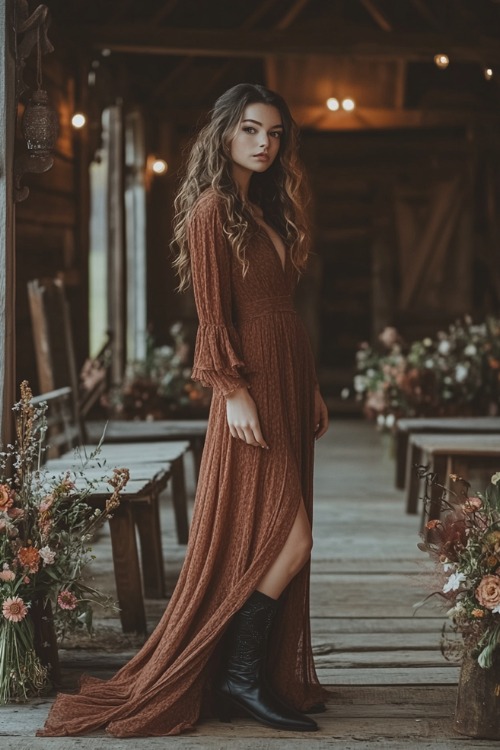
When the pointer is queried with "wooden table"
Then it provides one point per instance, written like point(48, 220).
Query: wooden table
point(463, 425)
point(151, 466)
point(139, 431)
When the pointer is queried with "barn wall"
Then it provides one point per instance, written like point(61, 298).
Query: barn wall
point(51, 224)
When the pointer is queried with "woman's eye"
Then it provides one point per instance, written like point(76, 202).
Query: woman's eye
point(249, 129)
point(275, 134)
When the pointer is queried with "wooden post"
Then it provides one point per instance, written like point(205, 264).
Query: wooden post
point(7, 231)
point(116, 244)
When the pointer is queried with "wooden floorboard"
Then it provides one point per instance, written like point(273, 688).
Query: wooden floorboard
point(391, 688)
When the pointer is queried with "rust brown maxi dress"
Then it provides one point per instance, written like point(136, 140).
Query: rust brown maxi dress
point(246, 501)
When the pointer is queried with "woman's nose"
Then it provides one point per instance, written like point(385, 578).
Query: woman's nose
point(264, 140)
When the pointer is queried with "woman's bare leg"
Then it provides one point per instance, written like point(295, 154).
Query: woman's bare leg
point(292, 558)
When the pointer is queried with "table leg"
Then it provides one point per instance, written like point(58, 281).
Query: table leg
point(147, 519)
point(402, 439)
point(127, 571)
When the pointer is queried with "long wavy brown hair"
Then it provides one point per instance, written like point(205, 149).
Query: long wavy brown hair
point(281, 191)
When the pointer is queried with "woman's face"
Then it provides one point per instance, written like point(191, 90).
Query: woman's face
point(256, 143)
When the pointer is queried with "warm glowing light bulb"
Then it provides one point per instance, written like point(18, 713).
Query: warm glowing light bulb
point(78, 120)
point(348, 105)
point(333, 104)
point(159, 166)
point(442, 61)
point(488, 73)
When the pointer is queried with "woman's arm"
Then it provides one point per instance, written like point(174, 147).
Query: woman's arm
point(217, 360)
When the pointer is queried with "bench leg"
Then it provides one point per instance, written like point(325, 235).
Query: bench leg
point(402, 438)
point(127, 572)
point(179, 497)
point(147, 519)
point(440, 468)
point(414, 458)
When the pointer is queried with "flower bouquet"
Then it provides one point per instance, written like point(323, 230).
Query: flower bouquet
point(456, 372)
point(464, 542)
point(161, 385)
point(45, 530)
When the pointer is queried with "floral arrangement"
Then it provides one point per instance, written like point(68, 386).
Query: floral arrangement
point(45, 530)
point(161, 385)
point(456, 372)
point(465, 545)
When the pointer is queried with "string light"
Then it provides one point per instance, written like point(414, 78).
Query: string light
point(333, 104)
point(348, 105)
point(159, 166)
point(78, 120)
point(442, 61)
point(488, 73)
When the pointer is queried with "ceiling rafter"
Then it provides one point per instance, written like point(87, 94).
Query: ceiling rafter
point(380, 18)
point(168, 7)
point(187, 62)
point(283, 23)
point(292, 13)
point(256, 44)
point(427, 14)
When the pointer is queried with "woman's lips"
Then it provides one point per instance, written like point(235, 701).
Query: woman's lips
point(262, 157)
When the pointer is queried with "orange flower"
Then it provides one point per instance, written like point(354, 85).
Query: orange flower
point(432, 524)
point(6, 497)
point(477, 612)
point(29, 557)
point(492, 561)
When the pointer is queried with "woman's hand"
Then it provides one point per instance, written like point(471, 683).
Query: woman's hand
point(320, 415)
point(243, 419)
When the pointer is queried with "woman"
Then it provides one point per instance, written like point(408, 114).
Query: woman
point(236, 633)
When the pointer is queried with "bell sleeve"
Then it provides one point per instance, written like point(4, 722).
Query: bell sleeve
point(217, 356)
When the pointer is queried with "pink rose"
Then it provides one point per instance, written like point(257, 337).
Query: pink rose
point(488, 591)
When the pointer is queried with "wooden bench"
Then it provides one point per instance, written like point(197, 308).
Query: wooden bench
point(462, 425)
point(152, 466)
point(56, 366)
point(445, 455)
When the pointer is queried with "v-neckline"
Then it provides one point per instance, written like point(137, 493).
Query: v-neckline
point(275, 249)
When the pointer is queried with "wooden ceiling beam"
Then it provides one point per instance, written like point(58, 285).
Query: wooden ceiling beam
point(295, 9)
point(368, 118)
point(378, 15)
point(149, 40)
point(427, 14)
point(164, 12)
point(186, 63)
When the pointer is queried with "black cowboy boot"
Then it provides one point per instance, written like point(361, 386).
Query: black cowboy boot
point(241, 683)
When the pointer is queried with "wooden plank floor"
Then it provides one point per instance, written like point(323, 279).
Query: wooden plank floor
point(391, 687)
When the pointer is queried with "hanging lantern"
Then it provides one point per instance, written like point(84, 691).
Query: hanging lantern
point(40, 124)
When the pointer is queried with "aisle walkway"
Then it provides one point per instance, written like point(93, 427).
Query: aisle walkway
point(391, 687)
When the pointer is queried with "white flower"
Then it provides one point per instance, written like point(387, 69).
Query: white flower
point(389, 420)
point(453, 582)
point(359, 384)
point(427, 342)
point(47, 555)
point(345, 393)
point(380, 420)
point(496, 610)
point(448, 566)
point(429, 364)
point(444, 347)
point(470, 350)
point(461, 372)
point(495, 479)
